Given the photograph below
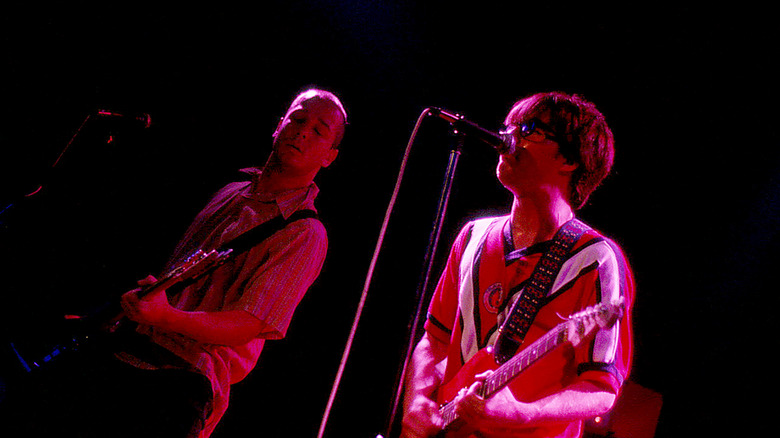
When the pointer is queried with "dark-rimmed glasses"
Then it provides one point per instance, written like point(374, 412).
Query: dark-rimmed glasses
point(532, 130)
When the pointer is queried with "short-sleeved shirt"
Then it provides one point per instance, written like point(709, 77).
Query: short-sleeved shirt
point(267, 281)
point(480, 283)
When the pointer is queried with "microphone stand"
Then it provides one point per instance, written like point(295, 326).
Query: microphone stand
point(422, 296)
point(46, 177)
point(435, 233)
point(26, 366)
point(370, 274)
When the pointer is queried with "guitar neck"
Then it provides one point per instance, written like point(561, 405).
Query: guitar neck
point(512, 368)
point(583, 325)
point(164, 283)
point(195, 265)
point(518, 363)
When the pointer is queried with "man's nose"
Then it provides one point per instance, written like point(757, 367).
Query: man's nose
point(303, 132)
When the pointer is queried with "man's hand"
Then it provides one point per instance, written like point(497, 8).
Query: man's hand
point(421, 419)
point(229, 327)
point(499, 414)
point(152, 309)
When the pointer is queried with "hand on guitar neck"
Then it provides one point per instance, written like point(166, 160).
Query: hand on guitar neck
point(476, 413)
point(149, 304)
point(152, 308)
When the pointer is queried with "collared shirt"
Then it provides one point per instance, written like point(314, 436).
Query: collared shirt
point(267, 281)
point(475, 294)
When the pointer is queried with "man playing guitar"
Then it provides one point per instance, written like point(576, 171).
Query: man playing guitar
point(171, 364)
point(563, 149)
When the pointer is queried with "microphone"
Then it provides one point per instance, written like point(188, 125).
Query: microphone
point(144, 118)
point(503, 143)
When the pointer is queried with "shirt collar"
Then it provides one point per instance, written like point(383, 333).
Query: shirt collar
point(288, 201)
point(511, 253)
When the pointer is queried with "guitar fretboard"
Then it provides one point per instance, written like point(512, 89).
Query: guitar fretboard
point(512, 368)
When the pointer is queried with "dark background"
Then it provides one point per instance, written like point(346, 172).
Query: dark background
point(690, 94)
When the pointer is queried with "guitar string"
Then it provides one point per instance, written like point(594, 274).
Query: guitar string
point(506, 372)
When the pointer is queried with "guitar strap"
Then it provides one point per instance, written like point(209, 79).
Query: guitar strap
point(249, 239)
point(128, 341)
point(513, 330)
point(252, 237)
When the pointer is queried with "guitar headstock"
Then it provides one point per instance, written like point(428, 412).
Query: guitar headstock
point(582, 325)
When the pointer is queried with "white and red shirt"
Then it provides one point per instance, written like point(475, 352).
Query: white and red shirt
point(484, 276)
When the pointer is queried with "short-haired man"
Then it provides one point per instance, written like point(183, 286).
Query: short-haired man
point(563, 149)
point(170, 374)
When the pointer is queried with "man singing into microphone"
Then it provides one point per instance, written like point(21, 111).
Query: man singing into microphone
point(562, 150)
point(172, 374)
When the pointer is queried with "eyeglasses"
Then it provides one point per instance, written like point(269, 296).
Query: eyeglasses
point(532, 130)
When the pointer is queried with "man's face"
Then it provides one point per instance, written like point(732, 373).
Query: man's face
point(536, 160)
point(304, 139)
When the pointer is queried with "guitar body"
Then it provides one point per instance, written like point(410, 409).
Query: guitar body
point(99, 328)
point(535, 381)
point(525, 387)
point(548, 355)
point(481, 362)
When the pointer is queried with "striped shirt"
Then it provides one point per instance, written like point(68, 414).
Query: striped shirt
point(267, 281)
point(485, 275)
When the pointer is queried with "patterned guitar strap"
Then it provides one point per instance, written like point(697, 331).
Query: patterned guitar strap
point(522, 314)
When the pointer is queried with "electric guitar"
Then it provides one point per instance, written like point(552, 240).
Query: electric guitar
point(193, 267)
point(574, 330)
point(99, 328)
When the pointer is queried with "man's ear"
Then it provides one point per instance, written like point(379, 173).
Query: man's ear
point(329, 157)
point(569, 167)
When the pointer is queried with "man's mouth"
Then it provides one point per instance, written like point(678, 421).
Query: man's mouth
point(292, 146)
